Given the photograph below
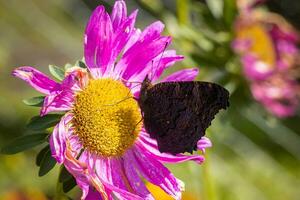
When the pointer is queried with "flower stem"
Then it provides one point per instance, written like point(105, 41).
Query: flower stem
point(209, 189)
point(59, 194)
point(183, 11)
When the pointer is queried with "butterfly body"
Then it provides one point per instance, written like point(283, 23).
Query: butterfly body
point(177, 114)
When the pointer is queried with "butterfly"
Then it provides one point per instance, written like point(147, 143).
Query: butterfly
point(176, 114)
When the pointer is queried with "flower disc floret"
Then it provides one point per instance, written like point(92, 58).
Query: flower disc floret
point(106, 117)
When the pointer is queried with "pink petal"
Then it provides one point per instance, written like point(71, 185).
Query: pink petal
point(62, 98)
point(127, 195)
point(122, 35)
point(156, 67)
point(118, 173)
point(156, 173)
point(111, 173)
point(149, 45)
point(142, 54)
point(203, 143)
point(150, 145)
point(134, 180)
point(98, 42)
point(159, 64)
point(256, 69)
point(36, 79)
point(93, 195)
point(182, 75)
point(99, 177)
point(119, 14)
point(136, 34)
point(103, 169)
point(58, 138)
point(79, 169)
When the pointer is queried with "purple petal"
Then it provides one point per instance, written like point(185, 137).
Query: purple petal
point(150, 145)
point(79, 169)
point(182, 75)
point(112, 175)
point(143, 55)
point(256, 69)
point(97, 179)
point(58, 138)
point(203, 143)
point(134, 180)
point(159, 64)
point(127, 195)
point(93, 194)
point(36, 79)
point(136, 34)
point(119, 14)
point(62, 98)
point(155, 68)
point(103, 169)
point(98, 42)
point(118, 173)
point(156, 173)
point(149, 45)
point(122, 35)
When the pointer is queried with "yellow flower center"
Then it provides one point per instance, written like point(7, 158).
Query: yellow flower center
point(262, 44)
point(106, 117)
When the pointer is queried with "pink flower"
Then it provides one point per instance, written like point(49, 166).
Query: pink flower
point(100, 139)
point(267, 45)
point(278, 95)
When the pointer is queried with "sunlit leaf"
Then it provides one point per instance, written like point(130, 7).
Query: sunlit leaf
point(68, 66)
point(57, 72)
point(216, 7)
point(34, 101)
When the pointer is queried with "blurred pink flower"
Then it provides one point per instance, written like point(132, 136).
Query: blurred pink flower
point(103, 146)
point(267, 45)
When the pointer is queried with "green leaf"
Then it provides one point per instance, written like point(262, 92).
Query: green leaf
point(57, 72)
point(23, 143)
point(82, 64)
point(41, 155)
point(69, 185)
point(34, 101)
point(229, 12)
point(68, 66)
point(47, 163)
point(216, 7)
point(42, 123)
point(64, 175)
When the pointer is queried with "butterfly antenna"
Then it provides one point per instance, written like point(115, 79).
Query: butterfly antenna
point(137, 124)
point(126, 81)
point(152, 74)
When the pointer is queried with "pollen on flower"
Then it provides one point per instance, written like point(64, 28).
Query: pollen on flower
point(106, 117)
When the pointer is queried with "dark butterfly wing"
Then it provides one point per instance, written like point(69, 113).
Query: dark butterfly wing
point(177, 114)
